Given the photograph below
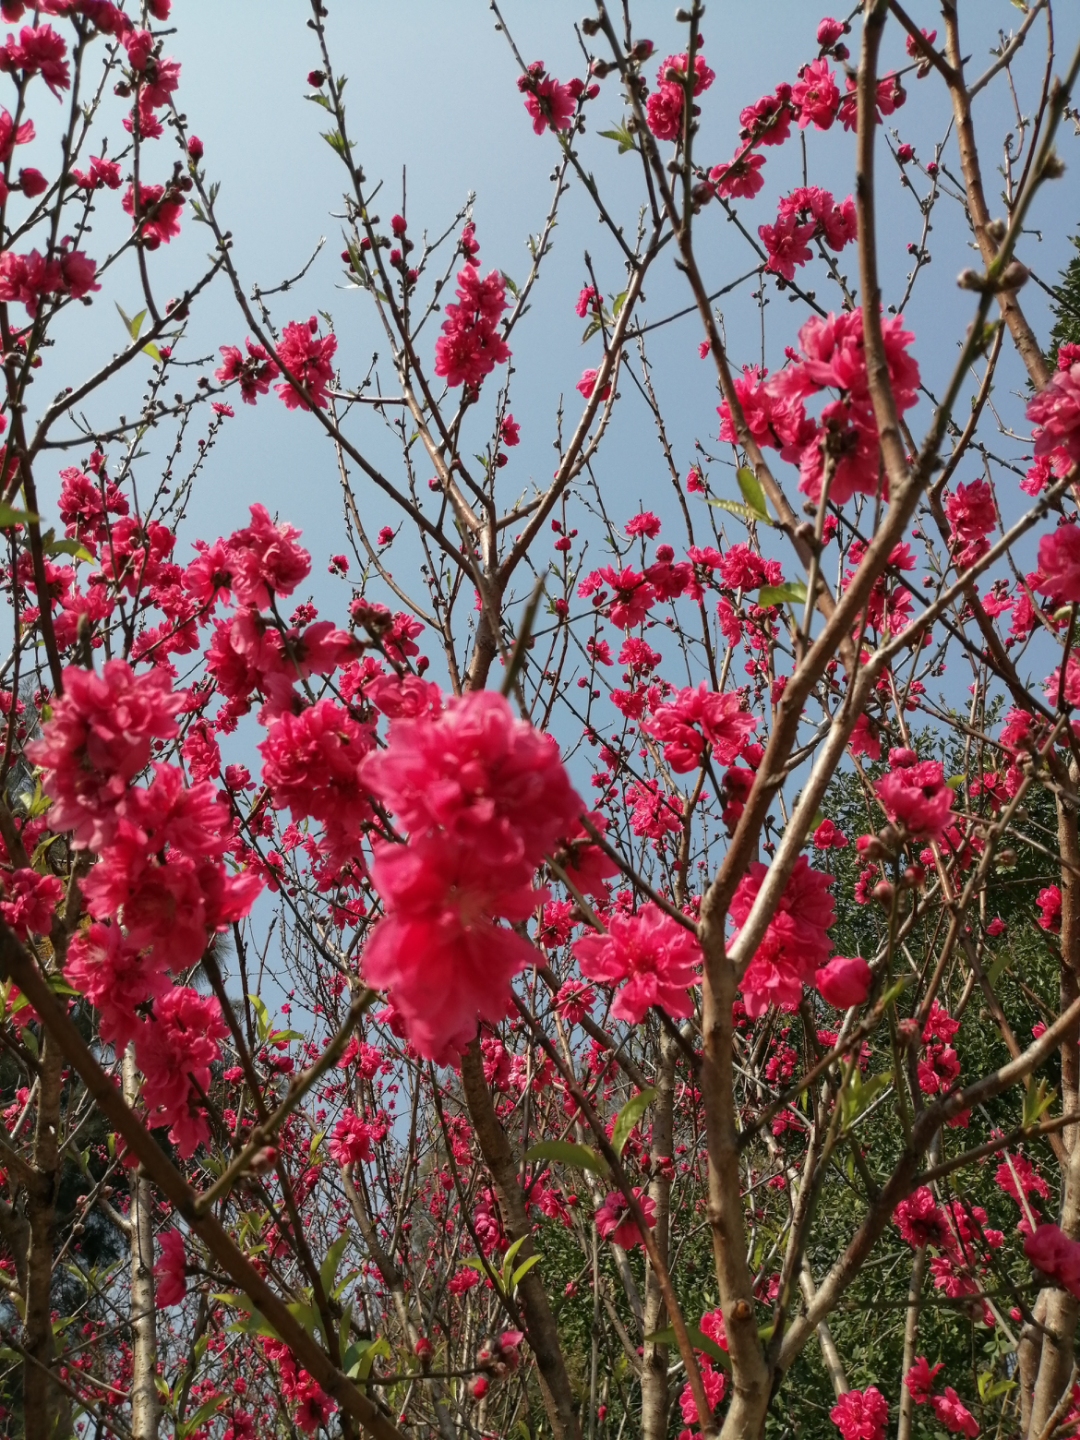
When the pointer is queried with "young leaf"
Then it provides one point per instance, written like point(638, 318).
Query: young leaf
point(629, 1116)
point(792, 592)
point(523, 1270)
point(10, 517)
point(564, 1152)
point(329, 1268)
point(623, 136)
point(752, 491)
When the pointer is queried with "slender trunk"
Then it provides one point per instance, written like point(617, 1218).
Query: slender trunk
point(145, 1404)
point(541, 1330)
point(911, 1330)
point(1022, 334)
point(654, 1386)
point(1055, 1371)
point(749, 1375)
point(48, 1413)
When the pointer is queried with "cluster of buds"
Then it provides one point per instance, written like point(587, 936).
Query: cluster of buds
point(496, 1358)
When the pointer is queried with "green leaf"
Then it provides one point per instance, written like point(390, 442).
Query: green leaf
point(329, 1268)
point(698, 1339)
point(509, 284)
point(858, 1095)
point(319, 100)
point(1037, 1100)
point(10, 517)
point(153, 352)
point(564, 1152)
point(623, 136)
point(205, 1410)
point(629, 1116)
point(618, 303)
point(66, 547)
point(508, 1261)
point(752, 491)
point(133, 326)
point(263, 1015)
point(362, 1354)
point(792, 592)
point(523, 1270)
point(744, 512)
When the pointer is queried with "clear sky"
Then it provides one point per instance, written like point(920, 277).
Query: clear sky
point(433, 106)
point(432, 93)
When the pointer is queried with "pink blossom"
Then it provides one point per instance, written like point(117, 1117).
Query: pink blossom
point(786, 244)
point(438, 954)
point(29, 901)
point(1056, 412)
point(179, 1044)
point(1056, 1255)
point(95, 743)
point(587, 384)
point(697, 718)
point(159, 213)
point(480, 776)
point(1059, 563)
point(646, 524)
point(769, 119)
point(921, 1222)
point(1049, 903)
point(39, 50)
point(510, 431)
point(307, 357)
point(920, 1379)
point(549, 102)
point(861, 1414)
point(115, 977)
point(170, 1284)
point(953, 1414)
point(470, 346)
point(844, 982)
point(714, 1383)
point(917, 797)
point(615, 1221)
point(740, 178)
point(265, 561)
point(311, 767)
point(656, 957)
point(351, 1141)
point(815, 96)
point(972, 517)
point(828, 837)
point(829, 32)
point(254, 373)
point(796, 941)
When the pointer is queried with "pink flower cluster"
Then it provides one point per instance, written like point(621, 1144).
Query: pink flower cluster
point(1056, 1255)
point(916, 797)
point(160, 864)
point(664, 107)
point(307, 357)
point(484, 798)
point(947, 1407)
point(804, 214)
point(656, 957)
point(470, 345)
point(796, 942)
point(831, 356)
point(32, 279)
point(1056, 413)
point(697, 719)
point(861, 1414)
point(616, 1223)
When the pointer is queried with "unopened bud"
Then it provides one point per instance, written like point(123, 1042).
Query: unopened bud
point(883, 893)
point(590, 26)
point(1053, 166)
